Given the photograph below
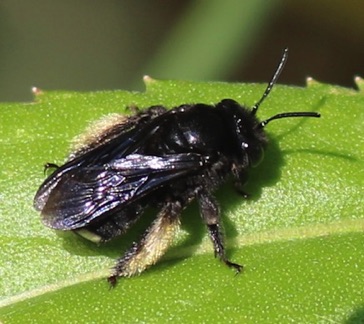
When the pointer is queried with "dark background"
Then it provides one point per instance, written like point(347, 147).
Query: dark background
point(100, 45)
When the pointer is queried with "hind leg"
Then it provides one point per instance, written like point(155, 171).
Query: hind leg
point(152, 245)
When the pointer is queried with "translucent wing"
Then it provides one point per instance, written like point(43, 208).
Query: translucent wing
point(118, 147)
point(85, 193)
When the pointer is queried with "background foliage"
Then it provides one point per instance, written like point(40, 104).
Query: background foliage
point(83, 45)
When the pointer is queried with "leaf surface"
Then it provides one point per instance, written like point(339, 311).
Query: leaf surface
point(299, 236)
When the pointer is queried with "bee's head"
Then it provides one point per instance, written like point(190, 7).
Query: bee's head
point(248, 137)
point(247, 129)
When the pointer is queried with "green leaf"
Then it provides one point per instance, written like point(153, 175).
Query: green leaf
point(300, 236)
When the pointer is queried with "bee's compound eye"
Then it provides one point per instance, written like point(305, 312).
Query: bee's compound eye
point(256, 155)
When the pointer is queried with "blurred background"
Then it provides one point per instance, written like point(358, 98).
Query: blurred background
point(101, 45)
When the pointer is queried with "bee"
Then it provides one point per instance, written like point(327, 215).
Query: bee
point(160, 158)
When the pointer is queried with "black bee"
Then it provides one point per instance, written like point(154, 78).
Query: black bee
point(161, 158)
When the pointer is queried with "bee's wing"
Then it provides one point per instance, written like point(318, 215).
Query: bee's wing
point(83, 194)
point(118, 147)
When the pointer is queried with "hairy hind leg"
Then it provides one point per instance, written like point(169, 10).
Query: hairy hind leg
point(152, 245)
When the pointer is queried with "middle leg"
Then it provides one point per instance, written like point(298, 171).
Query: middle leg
point(210, 214)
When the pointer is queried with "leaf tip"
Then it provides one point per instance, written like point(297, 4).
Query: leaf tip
point(311, 82)
point(359, 83)
point(36, 91)
point(148, 80)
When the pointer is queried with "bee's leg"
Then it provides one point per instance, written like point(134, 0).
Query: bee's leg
point(133, 109)
point(112, 226)
point(49, 165)
point(152, 245)
point(240, 178)
point(210, 214)
point(240, 191)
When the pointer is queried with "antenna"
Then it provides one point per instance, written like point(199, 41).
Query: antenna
point(272, 81)
point(288, 114)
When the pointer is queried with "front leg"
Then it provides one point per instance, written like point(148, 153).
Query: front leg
point(240, 178)
point(210, 214)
